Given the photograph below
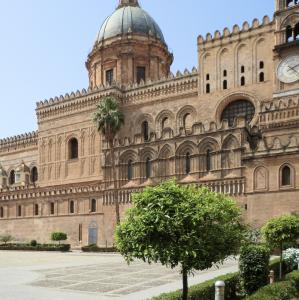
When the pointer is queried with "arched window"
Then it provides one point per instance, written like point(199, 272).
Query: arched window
point(242, 69)
point(187, 121)
point(208, 88)
point(73, 148)
point(262, 77)
point(36, 210)
point(209, 160)
point(225, 84)
point(224, 73)
point(12, 177)
point(72, 207)
point(239, 108)
point(34, 175)
point(296, 32)
point(52, 208)
point(208, 77)
point(242, 81)
point(93, 206)
point(1, 212)
point(289, 34)
point(130, 170)
point(145, 130)
point(262, 65)
point(164, 123)
point(19, 210)
point(188, 163)
point(148, 168)
point(286, 176)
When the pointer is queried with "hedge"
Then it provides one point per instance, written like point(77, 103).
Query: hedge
point(206, 290)
point(38, 247)
point(284, 290)
point(95, 248)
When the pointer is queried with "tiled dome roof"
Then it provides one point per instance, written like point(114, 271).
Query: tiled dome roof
point(129, 18)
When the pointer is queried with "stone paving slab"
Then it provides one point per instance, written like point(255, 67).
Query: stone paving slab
point(72, 276)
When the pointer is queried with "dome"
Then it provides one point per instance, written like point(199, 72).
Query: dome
point(129, 19)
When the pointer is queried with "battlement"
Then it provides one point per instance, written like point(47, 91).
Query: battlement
point(19, 141)
point(236, 31)
point(145, 91)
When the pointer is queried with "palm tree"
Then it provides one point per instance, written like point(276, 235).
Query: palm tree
point(109, 120)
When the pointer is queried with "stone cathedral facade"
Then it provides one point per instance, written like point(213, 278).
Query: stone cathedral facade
point(231, 123)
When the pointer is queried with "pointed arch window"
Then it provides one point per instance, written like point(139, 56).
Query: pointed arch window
point(289, 34)
point(93, 206)
point(12, 177)
point(286, 176)
point(242, 80)
point(148, 168)
point(72, 207)
point(52, 208)
point(188, 163)
point(208, 88)
point(164, 123)
point(145, 130)
point(130, 170)
point(34, 175)
point(19, 211)
point(225, 84)
point(1, 212)
point(36, 210)
point(296, 32)
point(209, 160)
point(73, 149)
point(238, 108)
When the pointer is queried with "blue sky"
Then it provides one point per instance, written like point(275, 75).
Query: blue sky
point(44, 44)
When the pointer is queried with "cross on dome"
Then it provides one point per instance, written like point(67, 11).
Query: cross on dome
point(128, 3)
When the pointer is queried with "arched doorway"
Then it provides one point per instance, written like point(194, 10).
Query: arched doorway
point(93, 233)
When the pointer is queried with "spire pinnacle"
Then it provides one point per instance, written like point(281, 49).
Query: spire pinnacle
point(128, 3)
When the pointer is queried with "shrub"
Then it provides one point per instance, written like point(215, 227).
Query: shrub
point(294, 278)
point(33, 243)
point(95, 248)
point(206, 290)
point(38, 247)
point(284, 290)
point(254, 267)
point(58, 236)
point(291, 257)
point(6, 238)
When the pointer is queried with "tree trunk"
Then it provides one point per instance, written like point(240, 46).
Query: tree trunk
point(280, 264)
point(114, 175)
point(185, 284)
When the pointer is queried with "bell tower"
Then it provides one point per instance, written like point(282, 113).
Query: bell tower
point(286, 51)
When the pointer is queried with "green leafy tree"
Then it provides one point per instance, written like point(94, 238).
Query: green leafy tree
point(58, 236)
point(109, 120)
point(281, 230)
point(6, 239)
point(180, 226)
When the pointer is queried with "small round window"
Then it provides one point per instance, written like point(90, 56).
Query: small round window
point(239, 108)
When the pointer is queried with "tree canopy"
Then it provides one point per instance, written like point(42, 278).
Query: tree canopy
point(184, 226)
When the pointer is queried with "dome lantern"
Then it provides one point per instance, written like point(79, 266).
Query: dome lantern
point(128, 3)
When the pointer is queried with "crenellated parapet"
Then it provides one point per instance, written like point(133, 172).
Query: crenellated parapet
point(85, 100)
point(19, 142)
point(228, 35)
point(280, 112)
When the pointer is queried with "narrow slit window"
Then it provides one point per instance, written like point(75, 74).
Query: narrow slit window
point(130, 170)
point(93, 205)
point(208, 88)
point(225, 84)
point(262, 77)
point(140, 74)
point(242, 81)
point(148, 167)
point(242, 69)
point(109, 76)
point(286, 176)
point(188, 163)
point(36, 210)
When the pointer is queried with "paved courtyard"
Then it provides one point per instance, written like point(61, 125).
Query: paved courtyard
point(64, 276)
